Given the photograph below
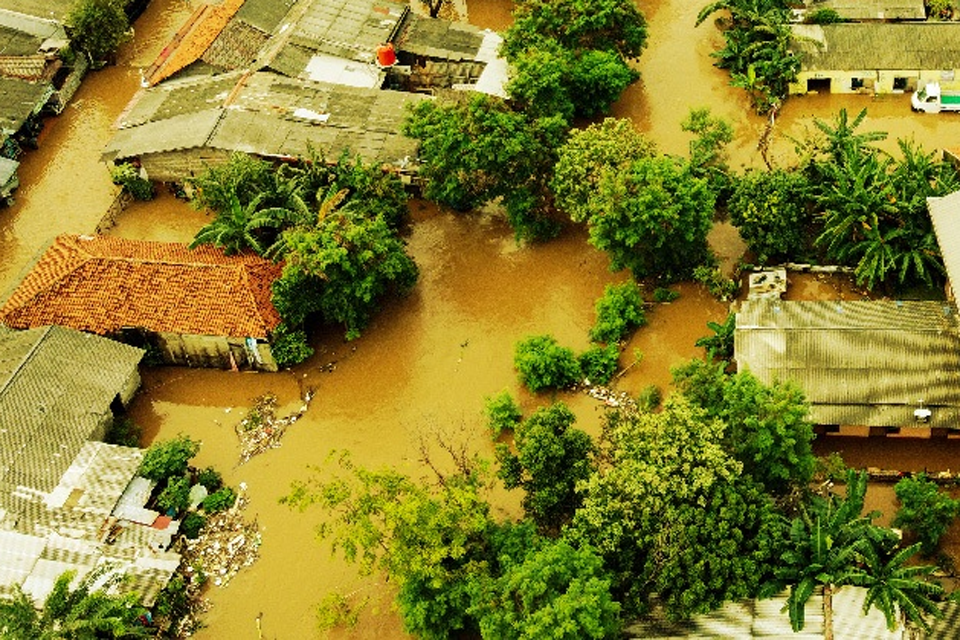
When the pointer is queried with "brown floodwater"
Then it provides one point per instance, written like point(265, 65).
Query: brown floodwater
point(427, 362)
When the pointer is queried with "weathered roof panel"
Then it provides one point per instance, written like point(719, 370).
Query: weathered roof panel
point(350, 29)
point(265, 15)
point(46, 9)
point(859, 362)
point(187, 131)
point(873, 9)
point(439, 38)
point(945, 213)
point(19, 99)
point(885, 45)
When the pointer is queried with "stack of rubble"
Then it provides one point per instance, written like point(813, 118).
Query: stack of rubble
point(261, 429)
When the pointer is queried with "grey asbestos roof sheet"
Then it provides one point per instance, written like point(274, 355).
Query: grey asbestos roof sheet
point(870, 46)
point(873, 9)
point(945, 213)
point(56, 386)
point(439, 38)
point(859, 362)
point(17, 43)
point(265, 15)
point(187, 131)
point(18, 100)
point(350, 29)
point(47, 9)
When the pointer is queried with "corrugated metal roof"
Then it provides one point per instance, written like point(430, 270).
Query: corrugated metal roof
point(870, 46)
point(873, 9)
point(945, 213)
point(859, 362)
point(56, 386)
point(439, 38)
point(103, 284)
point(46, 9)
point(19, 99)
point(350, 29)
point(265, 15)
point(186, 131)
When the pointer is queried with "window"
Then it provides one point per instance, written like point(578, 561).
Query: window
point(899, 84)
point(856, 83)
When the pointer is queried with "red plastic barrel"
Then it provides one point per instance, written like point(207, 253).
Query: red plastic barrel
point(386, 56)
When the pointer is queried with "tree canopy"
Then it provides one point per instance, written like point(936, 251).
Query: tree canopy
point(98, 28)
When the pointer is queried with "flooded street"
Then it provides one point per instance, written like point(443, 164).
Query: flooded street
point(427, 362)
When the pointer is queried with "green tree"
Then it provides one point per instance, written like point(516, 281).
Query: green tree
point(350, 261)
point(708, 149)
point(502, 413)
point(599, 363)
point(98, 28)
point(925, 511)
point(719, 346)
point(168, 458)
point(551, 458)
point(772, 212)
point(672, 514)
point(479, 149)
point(652, 218)
point(767, 429)
point(543, 364)
point(578, 25)
point(175, 496)
point(611, 145)
point(81, 612)
point(238, 228)
point(619, 312)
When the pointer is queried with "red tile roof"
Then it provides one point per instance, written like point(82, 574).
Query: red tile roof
point(102, 284)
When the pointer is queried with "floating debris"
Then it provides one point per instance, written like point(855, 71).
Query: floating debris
point(611, 398)
point(261, 429)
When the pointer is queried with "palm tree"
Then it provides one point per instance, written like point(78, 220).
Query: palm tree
point(238, 227)
point(894, 587)
point(843, 139)
point(85, 612)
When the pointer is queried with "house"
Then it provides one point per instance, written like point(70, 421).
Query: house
point(868, 10)
point(61, 489)
point(876, 57)
point(181, 127)
point(945, 214)
point(877, 363)
point(192, 307)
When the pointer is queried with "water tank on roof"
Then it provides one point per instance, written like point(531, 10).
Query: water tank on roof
point(386, 56)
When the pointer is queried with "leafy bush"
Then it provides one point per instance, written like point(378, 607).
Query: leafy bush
point(220, 500)
point(123, 431)
point(192, 524)
point(924, 510)
point(502, 413)
point(719, 346)
point(619, 311)
point(720, 287)
point(127, 176)
point(662, 294)
point(98, 27)
point(175, 497)
point(599, 363)
point(168, 459)
point(543, 364)
point(210, 478)
point(290, 346)
point(649, 398)
point(824, 16)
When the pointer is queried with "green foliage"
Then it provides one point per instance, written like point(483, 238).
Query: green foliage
point(708, 150)
point(238, 228)
point(649, 398)
point(556, 591)
point(663, 295)
point(719, 346)
point(85, 611)
point(192, 524)
point(653, 218)
point(123, 431)
point(242, 177)
point(925, 511)
point(289, 346)
point(823, 16)
point(720, 287)
point(543, 364)
point(619, 312)
point(220, 500)
point(479, 149)
point(551, 458)
point(335, 610)
point(767, 429)
point(98, 28)
point(672, 514)
point(357, 259)
point(578, 25)
point(168, 458)
point(611, 145)
point(128, 176)
point(210, 479)
point(599, 363)
point(830, 468)
point(940, 9)
point(502, 412)
point(175, 497)
point(771, 210)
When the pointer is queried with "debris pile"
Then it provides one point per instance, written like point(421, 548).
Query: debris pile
point(261, 429)
point(226, 544)
point(611, 398)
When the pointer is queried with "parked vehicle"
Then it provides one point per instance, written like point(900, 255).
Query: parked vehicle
point(931, 99)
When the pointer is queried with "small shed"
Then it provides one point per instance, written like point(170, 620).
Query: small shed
point(876, 57)
point(875, 363)
point(192, 307)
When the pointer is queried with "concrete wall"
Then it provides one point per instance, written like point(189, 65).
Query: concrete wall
point(215, 351)
point(876, 81)
point(176, 166)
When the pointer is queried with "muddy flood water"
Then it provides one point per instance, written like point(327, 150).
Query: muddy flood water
point(426, 363)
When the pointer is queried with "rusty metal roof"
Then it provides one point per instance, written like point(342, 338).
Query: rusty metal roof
point(859, 362)
point(931, 46)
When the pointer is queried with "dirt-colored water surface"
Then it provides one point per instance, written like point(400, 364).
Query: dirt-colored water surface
point(426, 362)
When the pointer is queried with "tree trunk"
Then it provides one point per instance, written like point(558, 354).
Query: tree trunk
point(828, 612)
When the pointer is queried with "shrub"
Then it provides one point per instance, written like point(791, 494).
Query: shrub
point(290, 346)
point(619, 311)
point(175, 497)
point(924, 510)
point(720, 287)
point(599, 363)
point(662, 294)
point(824, 16)
point(124, 432)
point(127, 176)
point(220, 500)
point(502, 413)
point(168, 459)
point(210, 478)
point(98, 27)
point(192, 524)
point(649, 398)
point(543, 364)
